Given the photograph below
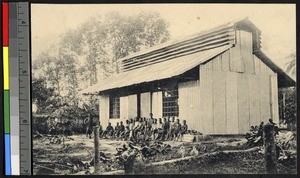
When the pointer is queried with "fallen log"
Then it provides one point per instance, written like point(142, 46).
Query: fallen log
point(116, 172)
point(201, 156)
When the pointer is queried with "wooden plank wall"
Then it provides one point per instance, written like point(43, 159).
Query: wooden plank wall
point(124, 107)
point(237, 90)
point(264, 95)
point(219, 102)
point(104, 110)
point(243, 102)
point(254, 100)
point(274, 98)
point(132, 106)
point(145, 104)
point(206, 95)
point(232, 121)
point(157, 104)
point(189, 92)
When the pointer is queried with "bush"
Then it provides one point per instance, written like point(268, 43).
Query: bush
point(285, 142)
point(255, 137)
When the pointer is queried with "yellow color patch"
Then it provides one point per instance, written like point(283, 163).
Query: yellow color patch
point(5, 68)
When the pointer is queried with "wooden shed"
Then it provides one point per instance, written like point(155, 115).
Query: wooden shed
point(219, 81)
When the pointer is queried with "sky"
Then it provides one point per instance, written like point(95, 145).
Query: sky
point(276, 21)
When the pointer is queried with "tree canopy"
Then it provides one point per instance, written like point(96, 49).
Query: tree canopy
point(89, 53)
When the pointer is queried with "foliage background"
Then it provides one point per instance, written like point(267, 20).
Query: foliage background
point(86, 55)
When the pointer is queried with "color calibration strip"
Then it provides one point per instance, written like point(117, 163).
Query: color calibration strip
point(14, 88)
point(5, 39)
point(24, 87)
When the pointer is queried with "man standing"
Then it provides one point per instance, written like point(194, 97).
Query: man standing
point(121, 129)
point(166, 127)
point(117, 130)
point(171, 130)
point(100, 130)
point(89, 126)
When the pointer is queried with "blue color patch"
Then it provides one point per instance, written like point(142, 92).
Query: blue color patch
point(7, 155)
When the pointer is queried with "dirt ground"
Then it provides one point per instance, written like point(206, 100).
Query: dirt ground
point(75, 156)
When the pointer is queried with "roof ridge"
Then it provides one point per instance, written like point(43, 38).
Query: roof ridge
point(184, 38)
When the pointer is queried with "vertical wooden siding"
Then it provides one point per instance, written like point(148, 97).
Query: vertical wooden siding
point(243, 102)
point(189, 102)
point(232, 121)
point(145, 104)
point(104, 110)
point(219, 104)
point(274, 98)
point(206, 97)
point(157, 104)
point(237, 90)
point(124, 107)
point(132, 106)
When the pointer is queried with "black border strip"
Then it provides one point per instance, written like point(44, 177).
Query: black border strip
point(152, 1)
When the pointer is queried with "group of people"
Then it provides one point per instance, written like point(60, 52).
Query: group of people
point(146, 128)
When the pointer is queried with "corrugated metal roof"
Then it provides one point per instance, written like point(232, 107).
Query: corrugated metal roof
point(157, 71)
point(186, 38)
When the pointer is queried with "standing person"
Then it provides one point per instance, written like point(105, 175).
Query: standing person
point(154, 129)
point(160, 129)
point(131, 127)
point(150, 120)
point(184, 129)
point(89, 126)
point(121, 129)
point(171, 131)
point(165, 126)
point(117, 130)
point(100, 130)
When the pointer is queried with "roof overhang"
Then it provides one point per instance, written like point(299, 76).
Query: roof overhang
point(155, 72)
point(284, 80)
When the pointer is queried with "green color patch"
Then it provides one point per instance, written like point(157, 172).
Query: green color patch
point(6, 112)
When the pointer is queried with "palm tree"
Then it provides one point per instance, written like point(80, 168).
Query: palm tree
point(291, 65)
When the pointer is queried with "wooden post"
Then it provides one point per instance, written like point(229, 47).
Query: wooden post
point(270, 149)
point(96, 151)
point(283, 104)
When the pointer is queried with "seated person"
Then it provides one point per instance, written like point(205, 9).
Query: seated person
point(177, 130)
point(137, 126)
point(139, 132)
point(109, 132)
point(183, 130)
point(147, 133)
point(127, 130)
point(160, 129)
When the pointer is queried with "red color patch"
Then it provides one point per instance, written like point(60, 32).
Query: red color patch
point(5, 23)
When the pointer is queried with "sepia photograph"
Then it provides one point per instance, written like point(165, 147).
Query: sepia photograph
point(149, 89)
